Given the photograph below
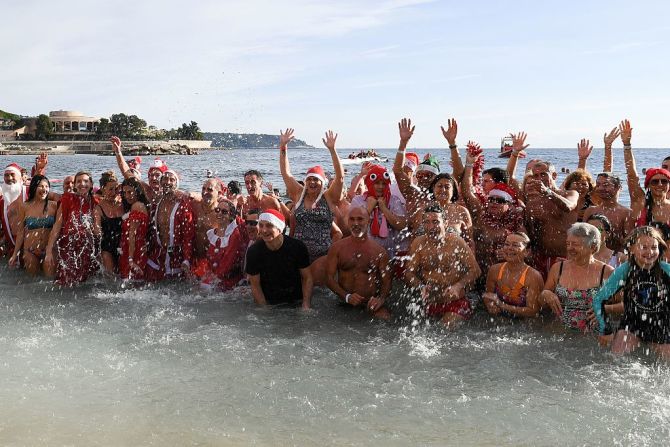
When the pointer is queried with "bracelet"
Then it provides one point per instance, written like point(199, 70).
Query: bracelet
point(453, 146)
point(346, 298)
point(401, 151)
point(469, 165)
point(627, 147)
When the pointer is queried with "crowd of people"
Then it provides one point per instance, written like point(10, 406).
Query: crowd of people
point(414, 243)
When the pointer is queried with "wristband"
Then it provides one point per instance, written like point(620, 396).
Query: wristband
point(627, 147)
point(453, 146)
point(401, 151)
point(346, 298)
point(469, 165)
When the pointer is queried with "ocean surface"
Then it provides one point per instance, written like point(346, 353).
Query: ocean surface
point(101, 364)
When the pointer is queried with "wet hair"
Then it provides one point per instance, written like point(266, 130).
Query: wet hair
point(433, 208)
point(90, 178)
point(234, 187)
point(444, 175)
point(586, 231)
point(254, 172)
point(607, 225)
point(662, 228)
point(614, 178)
point(499, 175)
point(32, 189)
point(107, 177)
point(522, 235)
point(634, 269)
point(550, 166)
point(578, 174)
point(666, 158)
point(139, 193)
point(646, 231)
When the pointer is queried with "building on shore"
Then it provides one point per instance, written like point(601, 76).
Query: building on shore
point(71, 123)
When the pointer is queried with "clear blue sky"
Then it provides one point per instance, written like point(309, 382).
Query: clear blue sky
point(559, 70)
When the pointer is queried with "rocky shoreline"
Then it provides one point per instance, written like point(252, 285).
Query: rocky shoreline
point(147, 148)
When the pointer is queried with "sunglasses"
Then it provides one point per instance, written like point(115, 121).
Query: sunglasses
point(253, 223)
point(659, 181)
point(499, 200)
point(221, 211)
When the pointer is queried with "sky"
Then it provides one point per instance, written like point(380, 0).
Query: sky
point(560, 71)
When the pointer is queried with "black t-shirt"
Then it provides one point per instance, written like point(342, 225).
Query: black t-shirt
point(279, 270)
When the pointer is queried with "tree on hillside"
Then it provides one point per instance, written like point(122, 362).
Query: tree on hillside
point(44, 127)
point(103, 128)
point(126, 126)
point(189, 132)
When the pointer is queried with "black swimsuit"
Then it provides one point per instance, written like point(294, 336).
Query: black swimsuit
point(111, 233)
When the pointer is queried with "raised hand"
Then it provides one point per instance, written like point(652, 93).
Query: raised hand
point(406, 129)
point(285, 137)
point(611, 137)
point(330, 139)
point(626, 132)
point(41, 162)
point(365, 168)
point(116, 143)
point(451, 132)
point(518, 141)
point(584, 149)
point(268, 185)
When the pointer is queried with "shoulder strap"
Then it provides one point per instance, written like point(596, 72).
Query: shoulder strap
point(560, 272)
point(522, 278)
point(502, 269)
point(602, 274)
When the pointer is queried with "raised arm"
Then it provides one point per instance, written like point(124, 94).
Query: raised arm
point(356, 181)
point(406, 131)
point(450, 135)
point(518, 146)
point(293, 188)
point(334, 191)
point(472, 202)
point(609, 139)
point(120, 161)
point(634, 189)
point(583, 151)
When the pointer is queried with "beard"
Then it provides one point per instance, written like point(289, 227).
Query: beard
point(11, 192)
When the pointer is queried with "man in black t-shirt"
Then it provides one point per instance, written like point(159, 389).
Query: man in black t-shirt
point(278, 265)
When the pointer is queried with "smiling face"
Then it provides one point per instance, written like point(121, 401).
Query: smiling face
point(487, 183)
point(424, 179)
point(541, 172)
point(110, 190)
point(433, 224)
point(253, 184)
point(581, 185)
point(497, 206)
point(42, 190)
point(210, 192)
point(129, 194)
point(606, 187)
point(313, 185)
point(155, 178)
point(645, 251)
point(251, 223)
point(659, 186)
point(577, 248)
point(168, 183)
point(11, 177)
point(514, 248)
point(83, 184)
point(267, 231)
point(358, 222)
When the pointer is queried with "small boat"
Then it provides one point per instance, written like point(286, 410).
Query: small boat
point(506, 148)
point(357, 160)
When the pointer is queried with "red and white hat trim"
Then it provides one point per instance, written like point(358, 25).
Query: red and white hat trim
point(317, 172)
point(13, 167)
point(411, 161)
point(158, 164)
point(274, 217)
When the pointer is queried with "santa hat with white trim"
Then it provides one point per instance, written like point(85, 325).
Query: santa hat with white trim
point(14, 167)
point(411, 160)
point(430, 164)
point(274, 217)
point(315, 172)
point(158, 164)
point(173, 173)
point(503, 191)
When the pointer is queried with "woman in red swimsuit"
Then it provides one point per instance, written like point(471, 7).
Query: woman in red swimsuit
point(513, 287)
point(134, 226)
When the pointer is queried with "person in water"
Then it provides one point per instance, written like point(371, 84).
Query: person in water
point(357, 267)
point(441, 269)
point(513, 287)
point(645, 282)
point(107, 217)
point(37, 216)
point(278, 265)
point(72, 242)
point(134, 230)
point(315, 204)
point(573, 283)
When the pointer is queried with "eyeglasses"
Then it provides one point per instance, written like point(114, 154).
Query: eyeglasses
point(253, 223)
point(659, 181)
point(221, 211)
point(499, 200)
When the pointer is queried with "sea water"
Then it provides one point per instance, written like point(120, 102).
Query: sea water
point(106, 364)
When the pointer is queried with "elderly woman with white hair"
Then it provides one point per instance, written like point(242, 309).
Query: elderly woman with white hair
point(572, 284)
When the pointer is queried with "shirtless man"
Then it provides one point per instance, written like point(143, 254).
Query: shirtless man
point(206, 217)
point(14, 193)
point(608, 187)
point(356, 267)
point(547, 215)
point(171, 248)
point(256, 199)
point(68, 184)
point(441, 267)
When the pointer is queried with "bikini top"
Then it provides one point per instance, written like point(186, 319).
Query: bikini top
point(516, 295)
point(35, 223)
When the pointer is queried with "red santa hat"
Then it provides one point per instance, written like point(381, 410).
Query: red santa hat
point(411, 160)
point(503, 191)
point(14, 167)
point(655, 171)
point(158, 164)
point(171, 172)
point(316, 172)
point(274, 217)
